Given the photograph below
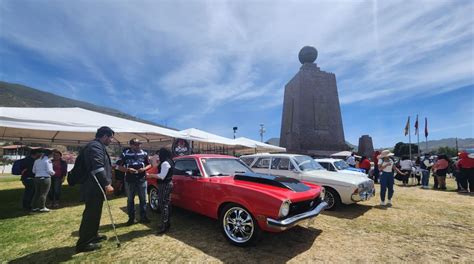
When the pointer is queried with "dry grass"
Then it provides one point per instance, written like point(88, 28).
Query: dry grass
point(422, 226)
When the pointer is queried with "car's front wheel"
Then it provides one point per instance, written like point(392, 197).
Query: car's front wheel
point(153, 199)
point(332, 198)
point(238, 226)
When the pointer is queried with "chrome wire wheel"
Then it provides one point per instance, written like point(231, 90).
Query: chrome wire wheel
point(330, 199)
point(153, 199)
point(238, 225)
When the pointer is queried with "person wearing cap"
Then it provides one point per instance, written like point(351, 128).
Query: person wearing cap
point(386, 166)
point(134, 163)
point(99, 168)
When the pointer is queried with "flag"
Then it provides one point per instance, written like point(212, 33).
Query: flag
point(426, 127)
point(407, 127)
point(416, 125)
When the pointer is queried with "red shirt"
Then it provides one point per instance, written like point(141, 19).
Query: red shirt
point(57, 168)
point(441, 164)
point(465, 162)
point(365, 164)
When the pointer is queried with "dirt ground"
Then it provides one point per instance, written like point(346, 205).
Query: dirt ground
point(422, 226)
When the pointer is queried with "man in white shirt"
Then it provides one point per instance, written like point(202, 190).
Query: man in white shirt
point(351, 160)
point(43, 170)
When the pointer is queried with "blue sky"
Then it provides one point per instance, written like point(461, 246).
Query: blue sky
point(214, 65)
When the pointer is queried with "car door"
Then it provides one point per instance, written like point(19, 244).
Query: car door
point(280, 167)
point(188, 184)
point(262, 165)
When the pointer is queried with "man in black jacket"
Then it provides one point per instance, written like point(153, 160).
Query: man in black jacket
point(27, 177)
point(97, 162)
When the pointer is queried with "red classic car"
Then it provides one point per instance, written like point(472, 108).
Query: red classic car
point(224, 188)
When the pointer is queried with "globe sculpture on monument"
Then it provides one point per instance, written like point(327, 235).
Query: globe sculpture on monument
point(311, 121)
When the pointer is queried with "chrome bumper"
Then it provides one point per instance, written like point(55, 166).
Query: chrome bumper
point(363, 196)
point(293, 220)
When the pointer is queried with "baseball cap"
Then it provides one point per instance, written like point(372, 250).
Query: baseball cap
point(134, 141)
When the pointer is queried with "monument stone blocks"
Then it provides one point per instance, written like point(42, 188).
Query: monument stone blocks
point(366, 147)
point(311, 120)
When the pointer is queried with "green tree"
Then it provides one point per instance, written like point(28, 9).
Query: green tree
point(403, 149)
point(450, 152)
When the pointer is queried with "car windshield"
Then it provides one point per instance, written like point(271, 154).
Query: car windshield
point(224, 167)
point(306, 163)
point(341, 165)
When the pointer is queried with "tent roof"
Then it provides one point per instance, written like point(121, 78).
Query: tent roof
point(207, 137)
point(73, 125)
point(260, 146)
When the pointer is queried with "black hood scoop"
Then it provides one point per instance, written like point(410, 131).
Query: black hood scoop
point(277, 181)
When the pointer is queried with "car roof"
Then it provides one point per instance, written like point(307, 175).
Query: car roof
point(327, 160)
point(200, 156)
point(271, 155)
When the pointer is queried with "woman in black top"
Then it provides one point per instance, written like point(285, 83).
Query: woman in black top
point(165, 186)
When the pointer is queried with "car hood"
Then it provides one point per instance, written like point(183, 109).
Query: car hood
point(324, 176)
point(280, 192)
point(353, 172)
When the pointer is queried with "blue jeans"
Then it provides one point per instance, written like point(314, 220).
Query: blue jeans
point(386, 182)
point(425, 177)
point(138, 187)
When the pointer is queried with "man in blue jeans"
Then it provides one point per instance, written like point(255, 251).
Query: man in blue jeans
point(425, 167)
point(134, 162)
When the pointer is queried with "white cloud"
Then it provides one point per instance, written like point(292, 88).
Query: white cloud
point(212, 53)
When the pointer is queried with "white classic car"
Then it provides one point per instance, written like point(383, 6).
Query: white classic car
point(340, 188)
point(339, 165)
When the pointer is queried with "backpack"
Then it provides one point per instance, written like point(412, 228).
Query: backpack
point(78, 174)
point(17, 167)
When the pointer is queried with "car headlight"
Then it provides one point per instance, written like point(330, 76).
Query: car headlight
point(284, 208)
point(322, 194)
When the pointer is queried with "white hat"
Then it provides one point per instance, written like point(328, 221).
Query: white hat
point(385, 153)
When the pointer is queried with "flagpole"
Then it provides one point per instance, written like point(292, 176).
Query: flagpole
point(418, 134)
point(426, 135)
point(409, 138)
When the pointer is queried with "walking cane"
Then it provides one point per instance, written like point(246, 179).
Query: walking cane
point(108, 207)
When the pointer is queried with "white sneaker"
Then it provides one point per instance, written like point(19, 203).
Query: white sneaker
point(44, 210)
point(389, 203)
point(382, 203)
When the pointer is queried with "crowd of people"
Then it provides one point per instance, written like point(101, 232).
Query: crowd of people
point(43, 173)
point(42, 178)
point(386, 169)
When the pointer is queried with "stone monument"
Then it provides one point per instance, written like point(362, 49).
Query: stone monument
point(366, 147)
point(311, 121)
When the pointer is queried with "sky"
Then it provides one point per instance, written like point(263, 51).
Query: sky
point(213, 65)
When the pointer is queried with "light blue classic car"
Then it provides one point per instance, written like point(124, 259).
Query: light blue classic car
point(339, 165)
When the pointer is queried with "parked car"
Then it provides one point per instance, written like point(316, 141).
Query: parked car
point(340, 187)
point(224, 188)
point(339, 165)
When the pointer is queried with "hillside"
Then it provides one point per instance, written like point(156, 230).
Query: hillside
point(16, 95)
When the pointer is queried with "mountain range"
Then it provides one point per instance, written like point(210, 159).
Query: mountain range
point(16, 95)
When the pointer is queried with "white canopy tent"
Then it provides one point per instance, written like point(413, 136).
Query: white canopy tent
point(74, 126)
point(257, 146)
point(207, 137)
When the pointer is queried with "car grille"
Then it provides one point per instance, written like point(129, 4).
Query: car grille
point(368, 186)
point(303, 206)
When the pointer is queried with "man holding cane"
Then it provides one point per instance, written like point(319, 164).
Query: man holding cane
point(97, 162)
